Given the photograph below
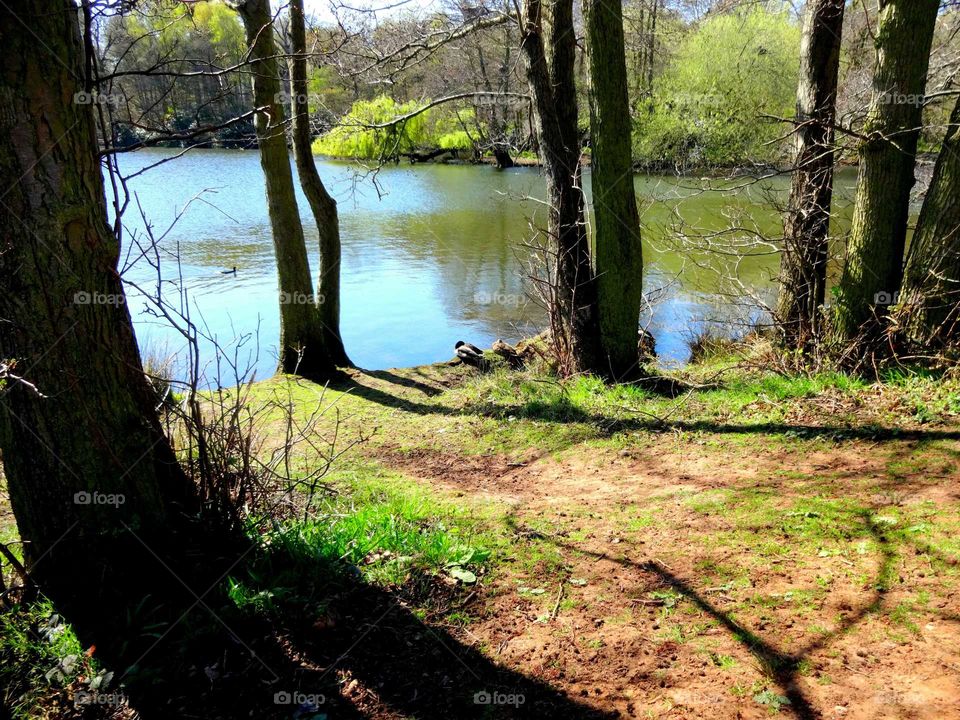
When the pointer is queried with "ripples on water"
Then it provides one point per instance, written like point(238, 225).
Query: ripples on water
point(431, 254)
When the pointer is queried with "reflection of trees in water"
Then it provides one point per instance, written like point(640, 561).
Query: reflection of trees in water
point(453, 237)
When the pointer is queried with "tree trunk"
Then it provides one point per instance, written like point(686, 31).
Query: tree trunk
point(553, 89)
point(651, 45)
point(84, 453)
point(803, 265)
point(873, 268)
point(302, 333)
point(930, 296)
point(501, 152)
point(619, 253)
point(323, 206)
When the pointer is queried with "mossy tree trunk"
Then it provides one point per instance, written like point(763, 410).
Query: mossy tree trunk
point(88, 434)
point(874, 263)
point(619, 253)
point(550, 72)
point(930, 297)
point(803, 264)
point(322, 205)
point(302, 333)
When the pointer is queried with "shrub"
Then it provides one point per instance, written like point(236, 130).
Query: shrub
point(728, 73)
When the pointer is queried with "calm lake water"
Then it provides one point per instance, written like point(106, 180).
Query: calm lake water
point(431, 253)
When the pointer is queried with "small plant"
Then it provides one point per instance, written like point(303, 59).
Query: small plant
point(771, 700)
point(41, 658)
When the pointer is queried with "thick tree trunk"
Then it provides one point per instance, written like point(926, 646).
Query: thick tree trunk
point(302, 334)
point(803, 265)
point(619, 253)
point(873, 269)
point(84, 453)
point(323, 206)
point(553, 89)
point(930, 296)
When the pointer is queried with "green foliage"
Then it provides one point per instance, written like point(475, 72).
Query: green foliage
point(222, 26)
point(727, 73)
point(457, 140)
point(40, 655)
point(326, 94)
point(355, 138)
point(183, 37)
point(384, 534)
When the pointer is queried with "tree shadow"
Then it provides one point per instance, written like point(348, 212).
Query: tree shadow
point(270, 631)
point(350, 386)
point(562, 411)
point(407, 666)
point(407, 382)
point(783, 667)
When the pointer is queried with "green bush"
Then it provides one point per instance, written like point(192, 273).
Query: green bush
point(353, 138)
point(439, 127)
point(708, 108)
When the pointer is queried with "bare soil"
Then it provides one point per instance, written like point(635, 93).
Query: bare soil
point(661, 604)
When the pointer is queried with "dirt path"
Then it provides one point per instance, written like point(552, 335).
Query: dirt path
point(711, 577)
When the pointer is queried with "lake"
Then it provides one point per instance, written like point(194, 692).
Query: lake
point(433, 253)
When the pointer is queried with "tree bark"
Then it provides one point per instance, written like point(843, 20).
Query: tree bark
point(874, 263)
point(302, 333)
point(323, 206)
point(803, 264)
point(553, 89)
point(619, 252)
point(84, 454)
point(930, 297)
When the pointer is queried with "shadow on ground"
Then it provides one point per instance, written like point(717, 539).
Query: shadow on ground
point(564, 413)
point(313, 642)
point(782, 666)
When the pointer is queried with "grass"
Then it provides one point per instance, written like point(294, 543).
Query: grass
point(825, 533)
point(42, 663)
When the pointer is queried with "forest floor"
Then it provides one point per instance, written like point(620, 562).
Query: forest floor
point(773, 545)
point(763, 545)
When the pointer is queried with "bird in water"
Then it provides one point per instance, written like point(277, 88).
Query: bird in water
point(470, 354)
point(229, 272)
